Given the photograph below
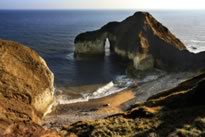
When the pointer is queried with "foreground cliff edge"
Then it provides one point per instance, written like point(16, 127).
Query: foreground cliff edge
point(143, 40)
point(26, 89)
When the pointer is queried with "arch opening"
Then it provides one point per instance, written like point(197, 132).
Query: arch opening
point(107, 47)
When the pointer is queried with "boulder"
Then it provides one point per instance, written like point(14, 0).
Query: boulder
point(26, 85)
point(143, 40)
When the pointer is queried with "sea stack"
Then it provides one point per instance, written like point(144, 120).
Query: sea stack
point(143, 40)
point(26, 85)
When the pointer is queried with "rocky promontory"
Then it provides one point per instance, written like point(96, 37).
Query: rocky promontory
point(143, 40)
point(26, 85)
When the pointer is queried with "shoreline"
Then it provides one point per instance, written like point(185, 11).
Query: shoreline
point(66, 114)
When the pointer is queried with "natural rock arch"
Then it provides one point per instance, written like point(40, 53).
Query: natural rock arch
point(93, 42)
point(143, 40)
point(107, 47)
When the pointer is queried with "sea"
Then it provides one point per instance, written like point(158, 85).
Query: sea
point(52, 32)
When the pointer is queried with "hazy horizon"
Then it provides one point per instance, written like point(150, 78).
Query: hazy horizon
point(102, 5)
point(112, 9)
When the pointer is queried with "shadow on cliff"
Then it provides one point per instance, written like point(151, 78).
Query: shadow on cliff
point(144, 41)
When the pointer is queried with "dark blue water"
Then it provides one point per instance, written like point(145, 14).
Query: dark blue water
point(51, 34)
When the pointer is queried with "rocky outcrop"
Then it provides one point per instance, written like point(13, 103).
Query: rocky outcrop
point(178, 112)
point(93, 43)
point(26, 85)
point(28, 130)
point(143, 40)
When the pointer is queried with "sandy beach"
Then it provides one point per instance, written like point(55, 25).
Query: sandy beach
point(65, 114)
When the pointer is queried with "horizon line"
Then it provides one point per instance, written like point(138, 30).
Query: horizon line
point(103, 9)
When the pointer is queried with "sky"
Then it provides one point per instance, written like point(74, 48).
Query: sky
point(102, 4)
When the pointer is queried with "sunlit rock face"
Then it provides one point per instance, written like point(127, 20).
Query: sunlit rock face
point(26, 84)
point(143, 40)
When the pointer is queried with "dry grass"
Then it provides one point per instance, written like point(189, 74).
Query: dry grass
point(179, 113)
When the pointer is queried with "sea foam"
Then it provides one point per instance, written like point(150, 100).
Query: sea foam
point(121, 83)
point(104, 91)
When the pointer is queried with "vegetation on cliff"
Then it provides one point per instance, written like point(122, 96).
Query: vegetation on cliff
point(178, 112)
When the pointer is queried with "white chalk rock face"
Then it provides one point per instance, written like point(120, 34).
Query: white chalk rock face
point(26, 84)
point(90, 47)
point(143, 62)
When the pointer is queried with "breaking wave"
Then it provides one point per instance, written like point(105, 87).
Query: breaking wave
point(119, 84)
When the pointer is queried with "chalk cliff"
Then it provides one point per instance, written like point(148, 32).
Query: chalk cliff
point(143, 40)
point(26, 85)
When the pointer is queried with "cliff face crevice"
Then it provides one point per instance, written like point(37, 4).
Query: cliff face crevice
point(143, 40)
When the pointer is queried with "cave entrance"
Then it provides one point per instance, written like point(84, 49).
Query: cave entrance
point(107, 47)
